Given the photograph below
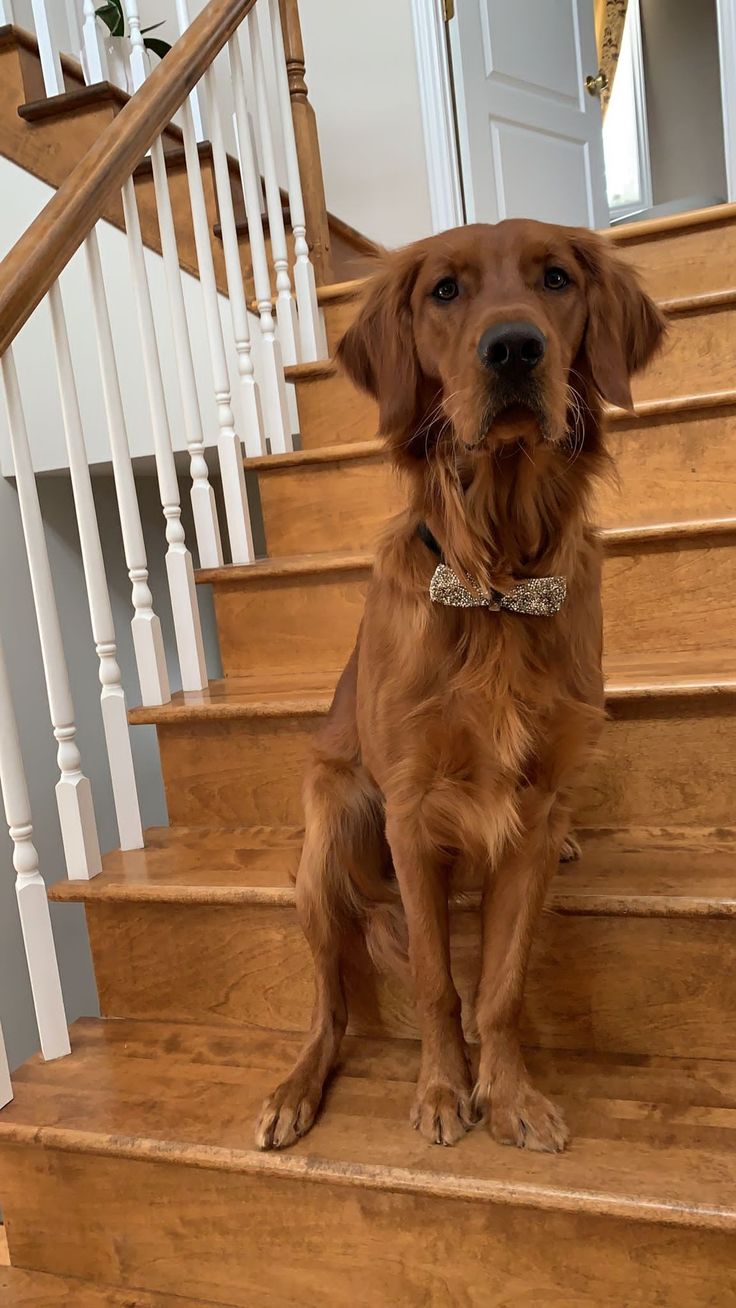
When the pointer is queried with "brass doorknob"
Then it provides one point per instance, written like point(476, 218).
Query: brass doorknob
point(598, 84)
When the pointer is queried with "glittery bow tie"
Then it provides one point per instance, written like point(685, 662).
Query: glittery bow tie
point(538, 597)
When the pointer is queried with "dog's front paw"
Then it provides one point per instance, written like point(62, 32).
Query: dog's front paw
point(286, 1115)
point(443, 1113)
point(523, 1117)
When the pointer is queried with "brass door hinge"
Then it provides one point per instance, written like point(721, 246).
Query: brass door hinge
point(448, 10)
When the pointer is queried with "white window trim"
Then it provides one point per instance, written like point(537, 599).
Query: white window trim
point(438, 115)
point(633, 15)
point(726, 14)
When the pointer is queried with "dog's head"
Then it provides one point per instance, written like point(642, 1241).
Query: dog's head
point(487, 334)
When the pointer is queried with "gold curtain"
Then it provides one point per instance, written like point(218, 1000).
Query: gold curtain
point(610, 16)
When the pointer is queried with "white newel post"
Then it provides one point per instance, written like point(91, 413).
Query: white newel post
point(273, 388)
point(204, 508)
point(33, 904)
point(183, 20)
point(140, 64)
point(311, 321)
point(179, 568)
point(93, 46)
point(229, 447)
point(73, 791)
point(112, 695)
point(286, 315)
point(53, 78)
point(6, 1089)
point(145, 626)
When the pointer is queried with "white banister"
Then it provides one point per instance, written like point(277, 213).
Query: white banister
point(229, 447)
point(204, 508)
point(145, 626)
point(30, 889)
point(112, 695)
point(185, 612)
point(73, 792)
point(183, 20)
point(93, 45)
point(6, 1089)
point(286, 316)
point(311, 321)
point(6, 12)
point(273, 386)
point(140, 64)
point(53, 78)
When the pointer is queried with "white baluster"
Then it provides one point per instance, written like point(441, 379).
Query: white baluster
point(206, 527)
point(73, 791)
point(231, 249)
point(112, 695)
point(183, 20)
point(140, 64)
point(229, 447)
point(53, 78)
point(30, 889)
point(6, 12)
point(286, 315)
point(273, 386)
point(145, 626)
point(94, 56)
point(179, 569)
point(6, 1089)
point(311, 321)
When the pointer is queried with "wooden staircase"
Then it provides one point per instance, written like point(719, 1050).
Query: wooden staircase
point(131, 1164)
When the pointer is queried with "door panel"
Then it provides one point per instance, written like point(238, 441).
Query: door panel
point(530, 136)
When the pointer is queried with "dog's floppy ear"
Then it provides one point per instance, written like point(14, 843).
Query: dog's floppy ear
point(624, 328)
point(378, 352)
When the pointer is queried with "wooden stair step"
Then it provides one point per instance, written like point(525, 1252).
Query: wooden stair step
point(235, 754)
point(669, 461)
point(640, 1209)
point(21, 1289)
point(661, 583)
point(201, 926)
point(645, 872)
point(696, 359)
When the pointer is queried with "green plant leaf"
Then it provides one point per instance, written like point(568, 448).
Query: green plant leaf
point(111, 14)
point(153, 27)
point(159, 48)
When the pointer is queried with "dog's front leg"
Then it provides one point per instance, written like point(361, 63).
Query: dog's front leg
point(442, 1109)
point(518, 1113)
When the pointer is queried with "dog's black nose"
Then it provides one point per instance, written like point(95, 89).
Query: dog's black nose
point(511, 348)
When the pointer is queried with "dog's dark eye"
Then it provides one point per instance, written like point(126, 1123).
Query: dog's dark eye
point(555, 279)
point(447, 289)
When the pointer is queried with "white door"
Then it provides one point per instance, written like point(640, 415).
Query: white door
point(530, 135)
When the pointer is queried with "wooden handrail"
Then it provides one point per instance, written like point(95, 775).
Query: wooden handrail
point(35, 261)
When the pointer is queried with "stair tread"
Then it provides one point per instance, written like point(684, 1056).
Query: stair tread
point(674, 531)
point(653, 1138)
point(278, 694)
point(640, 872)
point(23, 1289)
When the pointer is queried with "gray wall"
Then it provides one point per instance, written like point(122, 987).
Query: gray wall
point(682, 80)
point(17, 623)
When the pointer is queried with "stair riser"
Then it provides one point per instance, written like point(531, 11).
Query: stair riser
point(655, 597)
point(698, 358)
point(333, 412)
point(264, 1236)
point(610, 984)
point(691, 262)
point(664, 466)
point(661, 763)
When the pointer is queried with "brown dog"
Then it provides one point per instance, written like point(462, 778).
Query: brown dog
point(459, 728)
